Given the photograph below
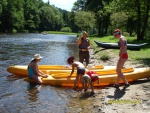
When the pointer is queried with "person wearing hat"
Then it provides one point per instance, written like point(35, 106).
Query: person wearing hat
point(89, 78)
point(80, 70)
point(84, 46)
point(33, 70)
point(123, 56)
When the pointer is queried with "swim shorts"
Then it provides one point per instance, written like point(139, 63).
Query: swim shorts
point(81, 71)
point(125, 56)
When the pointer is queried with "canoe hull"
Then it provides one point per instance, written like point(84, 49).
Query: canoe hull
point(21, 70)
point(115, 45)
point(138, 73)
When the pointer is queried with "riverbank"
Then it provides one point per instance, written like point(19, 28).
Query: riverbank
point(135, 99)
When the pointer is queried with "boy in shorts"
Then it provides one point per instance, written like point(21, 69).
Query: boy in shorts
point(89, 78)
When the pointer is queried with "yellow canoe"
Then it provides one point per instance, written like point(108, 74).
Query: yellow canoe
point(21, 70)
point(138, 73)
point(106, 71)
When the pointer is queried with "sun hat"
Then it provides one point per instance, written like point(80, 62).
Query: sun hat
point(37, 56)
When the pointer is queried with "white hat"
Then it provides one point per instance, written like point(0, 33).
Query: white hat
point(37, 56)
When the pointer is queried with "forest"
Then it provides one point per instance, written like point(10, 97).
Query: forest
point(99, 17)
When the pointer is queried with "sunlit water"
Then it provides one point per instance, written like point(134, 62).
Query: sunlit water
point(16, 95)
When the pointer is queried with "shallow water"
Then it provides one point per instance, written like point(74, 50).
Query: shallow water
point(17, 96)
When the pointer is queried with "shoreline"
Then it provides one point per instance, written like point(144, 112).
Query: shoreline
point(135, 99)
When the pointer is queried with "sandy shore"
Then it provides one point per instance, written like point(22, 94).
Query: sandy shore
point(135, 99)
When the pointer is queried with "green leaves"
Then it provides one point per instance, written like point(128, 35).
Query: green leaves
point(85, 20)
point(51, 18)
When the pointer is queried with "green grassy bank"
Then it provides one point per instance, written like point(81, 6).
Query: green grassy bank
point(141, 56)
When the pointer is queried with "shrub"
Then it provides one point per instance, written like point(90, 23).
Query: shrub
point(14, 31)
point(104, 57)
point(66, 29)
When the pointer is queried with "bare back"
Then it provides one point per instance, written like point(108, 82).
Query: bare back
point(78, 65)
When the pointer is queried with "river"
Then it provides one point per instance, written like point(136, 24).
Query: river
point(16, 95)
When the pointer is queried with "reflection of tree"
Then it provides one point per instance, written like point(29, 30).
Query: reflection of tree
point(33, 91)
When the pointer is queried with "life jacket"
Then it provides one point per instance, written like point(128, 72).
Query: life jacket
point(93, 79)
point(84, 44)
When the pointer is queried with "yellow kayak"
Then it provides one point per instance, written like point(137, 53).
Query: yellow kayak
point(137, 73)
point(101, 72)
point(47, 69)
point(21, 70)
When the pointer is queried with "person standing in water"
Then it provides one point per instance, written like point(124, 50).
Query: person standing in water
point(123, 56)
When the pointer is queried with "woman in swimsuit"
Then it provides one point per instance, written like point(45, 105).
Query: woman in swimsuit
point(123, 56)
point(80, 70)
point(33, 70)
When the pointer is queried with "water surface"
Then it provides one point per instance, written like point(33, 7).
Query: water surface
point(17, 96)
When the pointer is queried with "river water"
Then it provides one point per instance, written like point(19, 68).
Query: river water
point(16, 95)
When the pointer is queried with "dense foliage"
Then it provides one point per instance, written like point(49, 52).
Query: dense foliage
point(29, 16)
point(130, 16)
point(95, 16)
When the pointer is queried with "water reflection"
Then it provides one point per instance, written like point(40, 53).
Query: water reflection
point(33, 91)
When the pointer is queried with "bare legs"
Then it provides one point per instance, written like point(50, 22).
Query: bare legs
point(76, 82)
point(92, 86)
point(37, 79)
point(120, 64)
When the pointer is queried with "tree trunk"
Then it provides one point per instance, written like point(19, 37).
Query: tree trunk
point(146, 19)
point(138, 21)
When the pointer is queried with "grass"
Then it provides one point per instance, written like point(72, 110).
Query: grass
point(104, 57)
point(58, 32)
point(142, 56)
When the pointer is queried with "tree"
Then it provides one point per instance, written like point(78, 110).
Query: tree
point(12, 15)
point(79, 5)
point(31, 15)
point(118, 20)
point(139, 13)
point(0, 11)
point(51, 18)
point(72, 24)
point(102, 15)
point(142, 9)
point(85, 20)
